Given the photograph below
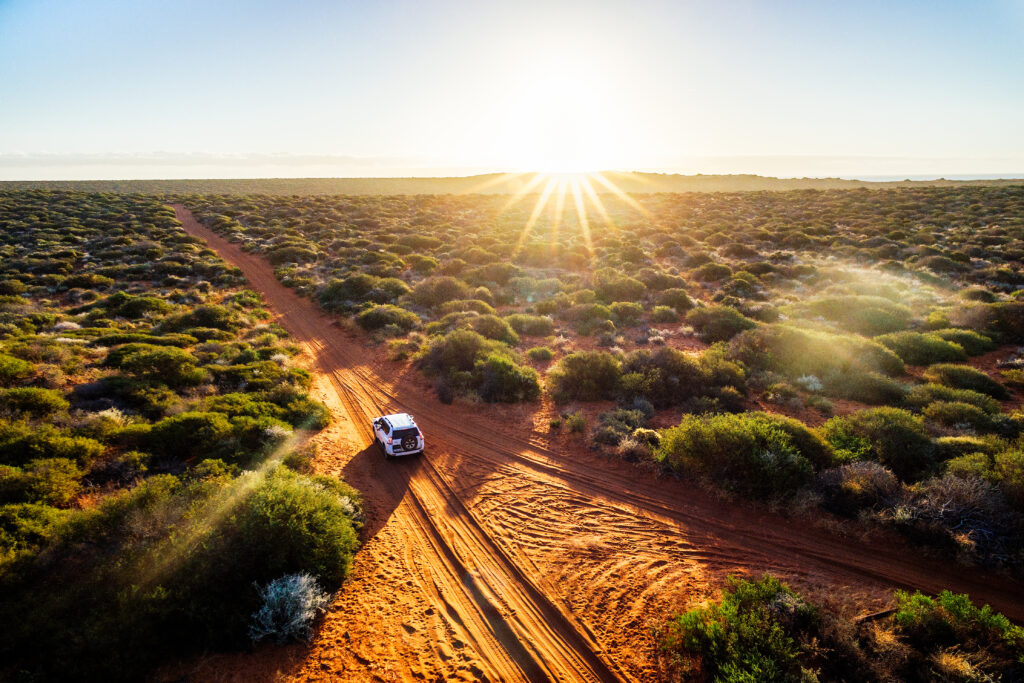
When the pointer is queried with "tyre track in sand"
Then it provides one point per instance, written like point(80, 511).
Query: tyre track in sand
point(554, 568)
point(516, 631)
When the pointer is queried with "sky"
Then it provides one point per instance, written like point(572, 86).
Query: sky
point(210, 88)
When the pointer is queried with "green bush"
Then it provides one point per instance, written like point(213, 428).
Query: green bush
point(380, 316)
point(170, 365)
point(923, 394)
point(757, 631)
point(970, 341)
point(956, 414)
point(866, 387)
point(493, 327)
point(190, 435)
point(718, 323)
point(13, 369)
point(437, 290)
point(676, 298)
point(626, 313)
point(965, 377)
point(541, 354)
point(712, 272)
point(664, 314)
point(463, 305)
point(754, 453)
point(206, 315)
point(52, 481)
point(870, 315)
point(795, 352)
point(32, 401)
point(915, 348)
point(501, 380)
point(584, 376)
point(936, 624)
point(21, 443)
point(670, 377)
point(891, 436)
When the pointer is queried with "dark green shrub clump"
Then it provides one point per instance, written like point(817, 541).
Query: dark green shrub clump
point(916, 348)
point(531, 325)
point(32, 401)
point(718, 323)
point(891, 436)
point(966, 377)
point(585, 376)
point(465, 360)
point(758, 631)
point(378, 317)
point(758, 454)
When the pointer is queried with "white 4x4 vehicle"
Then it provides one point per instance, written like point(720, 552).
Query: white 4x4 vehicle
point(397, 434)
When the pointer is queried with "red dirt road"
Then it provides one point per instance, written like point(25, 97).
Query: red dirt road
point(497, 557)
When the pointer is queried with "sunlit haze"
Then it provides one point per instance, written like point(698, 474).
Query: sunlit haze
point(198, 89)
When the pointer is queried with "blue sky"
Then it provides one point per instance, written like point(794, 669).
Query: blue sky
point(225, 89)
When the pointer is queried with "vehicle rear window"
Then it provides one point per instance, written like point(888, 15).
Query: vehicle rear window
point(402, 433)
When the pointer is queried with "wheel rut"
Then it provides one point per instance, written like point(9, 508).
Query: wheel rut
point(546, 567)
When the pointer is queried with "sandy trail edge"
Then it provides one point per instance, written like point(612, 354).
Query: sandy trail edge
point(516, 619)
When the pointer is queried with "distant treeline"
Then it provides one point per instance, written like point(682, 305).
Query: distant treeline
point(494, 183)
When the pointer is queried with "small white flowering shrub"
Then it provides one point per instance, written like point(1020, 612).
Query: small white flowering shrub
point(290, 604)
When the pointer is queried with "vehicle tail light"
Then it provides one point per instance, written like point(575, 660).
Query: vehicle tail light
point(389, 439)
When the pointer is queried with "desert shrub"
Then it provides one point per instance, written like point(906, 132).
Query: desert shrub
point(870, 315)
point(32, 401)
point(794, 352)
point(753, 453)
point(499, 378)
point(923, 394)
point(891, 436)
point(465, 360)
point(493, 327)
point(13, 369)
point(584, 376)
point(380, 316)
point(53, 481)
point(306, 413)
point(971, 342)
point(190, 435)
point(626, 313)
point(959, 514)
point(531, 325)
point(965, 377)
point(757, 631)
point(437, 290)
point(664, 314)
point(124, 305)
point(289, 606)
point(576, 422)
point(711, 272)
point(173, 339)
point(1003, 321)
point(463, 305)
point(866, 387)
point(21, 443)
point(718, 323)
point(170, 365)
point(856, 486)
point(612, 286)
point(670, 377)
point(205, 315)
point(949, 621)
point(541, 354)
point(675, 298)
point(957, 415)
point(916, 348)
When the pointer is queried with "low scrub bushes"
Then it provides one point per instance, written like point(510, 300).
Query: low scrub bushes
point(966, 377)
point(758, 454)
point(437, 290)
point(718, 323)
point(870, 315)
point(971, 342)
point(923, 394)
point(891, 436)
point(669, 377)
point(531, 325)
point(794, 352)
point(584, 376)
point(381, 316)
point(763, 630)
point(916, 348)
point(464, 360)
point(32, 401)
